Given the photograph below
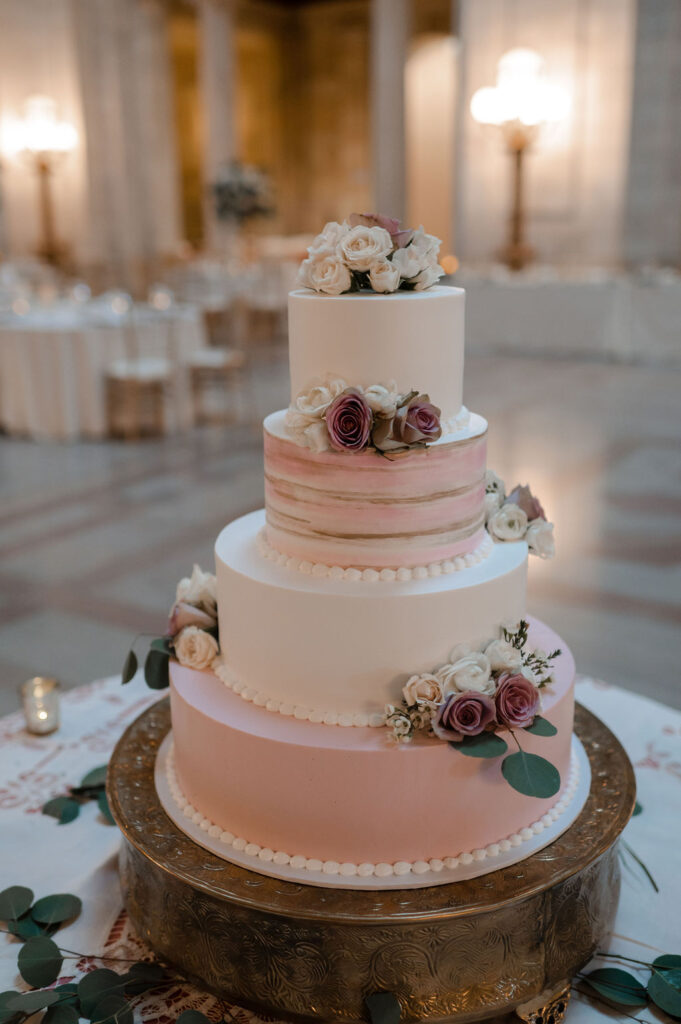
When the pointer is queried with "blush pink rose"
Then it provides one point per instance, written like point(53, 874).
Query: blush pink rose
point(348, 421)
point(183, 614)
point(523, 497)
point(464, 714)
point(517, 700)
point(400, 236)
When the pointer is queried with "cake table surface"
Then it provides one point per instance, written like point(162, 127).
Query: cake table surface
point(83, 853)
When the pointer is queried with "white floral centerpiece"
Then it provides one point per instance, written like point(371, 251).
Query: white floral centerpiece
point(370, 251)
point(517, 516)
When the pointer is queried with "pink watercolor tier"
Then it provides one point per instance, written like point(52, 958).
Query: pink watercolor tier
point(362, 509)
point(350, 795)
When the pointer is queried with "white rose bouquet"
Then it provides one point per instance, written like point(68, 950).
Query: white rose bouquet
point(517, 516)
point(370, 251)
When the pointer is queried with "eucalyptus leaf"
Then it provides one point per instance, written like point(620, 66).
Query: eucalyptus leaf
point(105, 810)
point(61, 1013)
point(162, 644)
point(29, 1002)
point(664, 988)
point(156, 670)
point(487, 744)
point(68, 994)
point(129, 667)
point(112, 1010)
point(7, 1015)
point(25, 927)
point(383, 1008)
point(56, 909)
point(63, 808)
point(96, 777)
point(541, 727)
point(667, 960)
point(93, 987)
point(39, 961)
point(14, 902)
point(192, 1017)
point(530, 774)
point(638, 809)
point(617, 986)
point(143, 976)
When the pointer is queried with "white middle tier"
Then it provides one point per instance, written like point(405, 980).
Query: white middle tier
point(341, 647)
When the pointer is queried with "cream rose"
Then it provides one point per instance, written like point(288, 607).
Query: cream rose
point(539, 538)
point(509, 523)
point(195, 648)
point(426, 246)
point(423, 688)
point(494, 484)
point(384, 276)
point(503, 656)
point(325, 272)
point(199, 590)
point(329, 238)
point(307, 430)
point(492, 504)
point(428, 277)
point(318, 396)
point(382, 399)
point(473, 672)
point(362, 246)
point(409, 262)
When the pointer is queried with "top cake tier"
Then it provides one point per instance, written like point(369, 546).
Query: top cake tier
point(415, 339)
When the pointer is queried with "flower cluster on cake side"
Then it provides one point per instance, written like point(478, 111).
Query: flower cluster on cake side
point(517, 515)
point(480, 692)
point(331, 415)
point(370, 252)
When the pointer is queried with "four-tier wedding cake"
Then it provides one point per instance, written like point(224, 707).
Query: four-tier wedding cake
point(375, 709)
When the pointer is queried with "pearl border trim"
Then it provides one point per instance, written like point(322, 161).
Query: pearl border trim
point(382, 870)
point(361, 719)
point(355, 575)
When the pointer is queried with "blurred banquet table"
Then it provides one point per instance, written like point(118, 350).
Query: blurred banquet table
point(588, 313)
point(53, 361)
point(83, 854)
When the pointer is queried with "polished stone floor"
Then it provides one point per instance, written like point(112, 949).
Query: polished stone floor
point(93, 536)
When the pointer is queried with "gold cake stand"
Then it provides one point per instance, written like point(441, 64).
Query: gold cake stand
point(466, 951)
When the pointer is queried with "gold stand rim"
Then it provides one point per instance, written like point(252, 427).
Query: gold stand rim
point(147, 828)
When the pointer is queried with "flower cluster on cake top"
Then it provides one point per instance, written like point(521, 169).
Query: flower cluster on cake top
point(482, 691)
point(517, 516)
point(370, 252)
point(330, 415)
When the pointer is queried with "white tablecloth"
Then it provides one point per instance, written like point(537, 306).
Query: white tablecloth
point(53, 364)
point(596, 314)
point(82, 854)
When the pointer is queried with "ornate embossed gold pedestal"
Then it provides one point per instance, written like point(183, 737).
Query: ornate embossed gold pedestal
point(509, 940)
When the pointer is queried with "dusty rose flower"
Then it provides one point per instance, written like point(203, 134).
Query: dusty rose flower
point(464, 714)
point(417, 421)
point(523, 497)
point(183, 614)
point(517, 700)
point(348, 421)
point(400, 236)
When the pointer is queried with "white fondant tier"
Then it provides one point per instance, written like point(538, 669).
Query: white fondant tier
point(334, 645)
point(413, 338)
point(335, 796)
point(363, 509)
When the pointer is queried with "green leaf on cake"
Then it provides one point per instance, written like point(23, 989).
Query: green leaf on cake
point(15, 902)
point(63, 808)
point(162, 644)
point(129, 667)
point(40, 961)
point(383, 1008)
point(112, 1010)
point(487, 744)
point(531, 775)
point(104, 809)
point(30, 1002)
point(94, 987)
point(156, 670)
point(617, 986)
point(95, 777)
point(664, 987)
point(56, 909)
point(541, 727)
point(61, 1013)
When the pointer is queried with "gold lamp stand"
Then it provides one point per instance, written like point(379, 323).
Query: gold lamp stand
point(517, 253)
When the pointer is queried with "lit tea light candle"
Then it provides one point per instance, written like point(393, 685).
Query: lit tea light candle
point(40, 698)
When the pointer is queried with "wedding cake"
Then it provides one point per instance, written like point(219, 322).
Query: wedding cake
point(357, 696)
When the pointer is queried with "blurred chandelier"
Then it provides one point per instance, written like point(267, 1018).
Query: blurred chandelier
point(519, 105)
point(41, 138)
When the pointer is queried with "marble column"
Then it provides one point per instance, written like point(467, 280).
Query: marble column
point(217, 78)
point(389, 38)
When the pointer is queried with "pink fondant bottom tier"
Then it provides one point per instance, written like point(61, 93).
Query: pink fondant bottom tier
point(350, 795)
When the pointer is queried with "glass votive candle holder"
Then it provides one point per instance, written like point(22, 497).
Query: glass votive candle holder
point(40, 699)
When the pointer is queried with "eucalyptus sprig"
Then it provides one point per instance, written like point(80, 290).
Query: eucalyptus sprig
point(92, 786)
point(662, 988)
